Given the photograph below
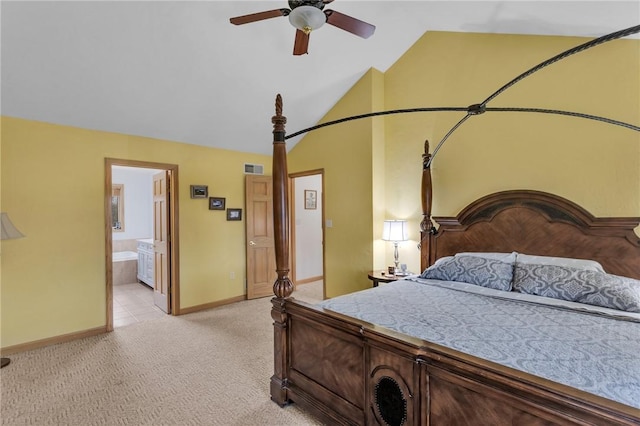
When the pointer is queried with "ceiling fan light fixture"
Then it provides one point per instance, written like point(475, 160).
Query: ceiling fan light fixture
point(307, 18)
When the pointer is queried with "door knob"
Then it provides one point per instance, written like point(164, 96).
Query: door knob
point(251, 243)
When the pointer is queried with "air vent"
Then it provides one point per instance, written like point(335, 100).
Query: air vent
point(253, 169)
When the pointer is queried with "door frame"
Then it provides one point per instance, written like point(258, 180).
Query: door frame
point(292, 221)
point(173, 230)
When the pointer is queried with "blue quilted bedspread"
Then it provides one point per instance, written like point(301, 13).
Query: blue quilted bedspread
point(588, 351)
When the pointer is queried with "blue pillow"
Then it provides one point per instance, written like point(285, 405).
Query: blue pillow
point(480, 271)
point(578, 285)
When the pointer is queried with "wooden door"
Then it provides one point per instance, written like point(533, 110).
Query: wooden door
point(261, 257)
point(161, 243)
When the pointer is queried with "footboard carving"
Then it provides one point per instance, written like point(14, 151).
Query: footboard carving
point(278, 380)
point(393, 384)
point(325, 371)
point(464, 390)
point(331, 358)
point(352, 372)
point(389, 403)
point(451, 403)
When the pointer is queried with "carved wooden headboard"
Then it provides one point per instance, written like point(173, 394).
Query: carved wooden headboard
point(539, 223)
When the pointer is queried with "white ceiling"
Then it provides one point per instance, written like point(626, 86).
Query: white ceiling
point(180, 71)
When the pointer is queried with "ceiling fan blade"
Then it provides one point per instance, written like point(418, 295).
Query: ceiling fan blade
point(301, 44)
point(245, 19)
point(350, 24)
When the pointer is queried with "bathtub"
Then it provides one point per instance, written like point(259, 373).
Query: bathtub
point(125, 267)
point(123, 256)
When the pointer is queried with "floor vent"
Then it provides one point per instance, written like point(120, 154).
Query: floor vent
point(253, 169)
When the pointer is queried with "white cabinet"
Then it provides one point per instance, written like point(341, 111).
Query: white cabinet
point(145, 261)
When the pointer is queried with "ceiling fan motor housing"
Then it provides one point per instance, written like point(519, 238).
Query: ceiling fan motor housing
point(315, 3)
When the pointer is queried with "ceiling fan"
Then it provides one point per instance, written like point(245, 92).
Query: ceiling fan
point(309, 15)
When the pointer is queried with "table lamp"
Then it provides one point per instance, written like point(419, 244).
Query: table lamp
point(395, 231)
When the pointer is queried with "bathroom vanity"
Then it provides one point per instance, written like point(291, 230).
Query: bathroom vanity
point(145, 261)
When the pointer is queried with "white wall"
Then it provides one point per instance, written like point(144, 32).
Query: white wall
point(138, 201)
point(308, 229)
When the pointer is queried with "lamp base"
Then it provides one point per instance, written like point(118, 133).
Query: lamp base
point(4, 362)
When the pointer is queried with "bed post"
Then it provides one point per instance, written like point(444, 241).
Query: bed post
point(427, 230)
point(282, 288)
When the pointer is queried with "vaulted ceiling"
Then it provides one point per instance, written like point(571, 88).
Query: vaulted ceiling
point(180, 71)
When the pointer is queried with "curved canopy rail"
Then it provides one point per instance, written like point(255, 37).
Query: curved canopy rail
point(481, 108)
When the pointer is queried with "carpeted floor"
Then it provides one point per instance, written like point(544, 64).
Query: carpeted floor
point(206, 368)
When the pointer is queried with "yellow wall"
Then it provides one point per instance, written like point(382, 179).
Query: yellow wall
point(52, 176)
point(345, 152)
point(593, 164)
point(53, 281)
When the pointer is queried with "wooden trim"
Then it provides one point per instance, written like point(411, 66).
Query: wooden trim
point(175, 246)
point(307, 173)
point(174, 235)
point(292, 177)
point(309, 280)
point(140, 163)
point(292, 227)
point(63, 338)
point(108, 249)
point(119, 187)
point(203, 307)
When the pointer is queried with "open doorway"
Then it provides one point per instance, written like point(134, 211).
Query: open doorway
point(141, 240)
point(307, 230)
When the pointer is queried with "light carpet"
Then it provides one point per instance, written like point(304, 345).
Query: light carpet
point(206, 368)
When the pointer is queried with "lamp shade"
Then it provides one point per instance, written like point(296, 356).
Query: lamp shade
point(307, 18)
point(395, 230)
point(9, 232)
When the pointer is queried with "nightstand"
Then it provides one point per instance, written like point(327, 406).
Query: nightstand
point(377, 277)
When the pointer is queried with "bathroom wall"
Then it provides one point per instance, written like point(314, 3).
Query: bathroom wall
point(138, 205)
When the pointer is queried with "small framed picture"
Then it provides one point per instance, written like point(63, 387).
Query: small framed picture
point(234, 214)
point(216, 203)
point(310, 199)
point(199, 191)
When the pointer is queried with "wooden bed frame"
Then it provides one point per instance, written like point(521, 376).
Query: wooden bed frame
point(347, 371)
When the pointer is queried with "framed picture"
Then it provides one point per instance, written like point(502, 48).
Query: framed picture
point(216, 203)
point(234, 214)
point(199, 191)
point(310, 199)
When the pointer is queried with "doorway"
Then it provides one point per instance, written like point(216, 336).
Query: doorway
point(307, 227)
point(150, 234)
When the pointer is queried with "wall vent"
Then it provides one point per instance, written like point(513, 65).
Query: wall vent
point(253, 169)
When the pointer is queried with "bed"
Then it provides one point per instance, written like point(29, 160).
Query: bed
point(348, 365)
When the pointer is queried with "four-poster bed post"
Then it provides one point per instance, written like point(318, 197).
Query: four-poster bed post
point(426, 225)
point(283, 287)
